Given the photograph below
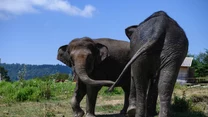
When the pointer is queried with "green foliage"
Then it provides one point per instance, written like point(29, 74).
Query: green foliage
point(7, 91)
point(181, 104)
point(184, 107)
point(26, 93)
point(4, 74)
point(42, 89)
point(22, 73)
point(179, 86)
point(58, 77)
point(33, 71)
point(117, 91)
point(200, 64)
point(35, 90)
point(50, 114)
point(109, 108)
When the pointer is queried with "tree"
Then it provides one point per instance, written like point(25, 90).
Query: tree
point(22, 73)
point(4, 74)
point(200, 64)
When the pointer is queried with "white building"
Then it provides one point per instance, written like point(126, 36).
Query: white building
point(185, 71)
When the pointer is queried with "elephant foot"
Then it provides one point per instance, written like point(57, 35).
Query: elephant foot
point(152, 114)
point(123, 111)
point(131, 111)
point(79, 113)
point(90, 115)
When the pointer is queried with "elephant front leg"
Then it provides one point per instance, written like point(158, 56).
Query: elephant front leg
point(79, 93)
point(92, 93)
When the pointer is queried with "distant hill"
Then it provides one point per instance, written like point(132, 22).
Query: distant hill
point(33, 71)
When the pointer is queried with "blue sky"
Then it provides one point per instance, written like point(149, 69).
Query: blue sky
point(31, 31)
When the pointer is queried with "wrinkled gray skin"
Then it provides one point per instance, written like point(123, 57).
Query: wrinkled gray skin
point(159, 46)
point(95, 63)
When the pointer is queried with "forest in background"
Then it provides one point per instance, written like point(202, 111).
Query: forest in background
point(16, 71)
point(200, 64)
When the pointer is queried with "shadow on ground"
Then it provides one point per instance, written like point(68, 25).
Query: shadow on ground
point(111, 115)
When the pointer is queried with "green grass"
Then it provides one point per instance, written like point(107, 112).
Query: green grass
point(47, 98)
point(34, 90)
point(109, 108)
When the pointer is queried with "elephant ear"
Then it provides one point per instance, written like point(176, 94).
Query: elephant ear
point(63, 56)
point(103, 51)
point(129, 31)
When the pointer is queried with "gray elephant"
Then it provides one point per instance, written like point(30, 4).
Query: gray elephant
point(95, 63)
point(159, 46)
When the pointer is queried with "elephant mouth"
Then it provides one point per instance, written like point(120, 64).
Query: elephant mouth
point(67, 63)
point(64, 61)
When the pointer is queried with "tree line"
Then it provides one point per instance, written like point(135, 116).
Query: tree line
point(14, 72)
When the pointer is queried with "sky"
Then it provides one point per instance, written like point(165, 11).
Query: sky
point(31, 31)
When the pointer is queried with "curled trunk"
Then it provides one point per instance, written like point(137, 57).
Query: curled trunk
point(81, 72)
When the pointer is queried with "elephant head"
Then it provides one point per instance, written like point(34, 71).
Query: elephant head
point(83, 54)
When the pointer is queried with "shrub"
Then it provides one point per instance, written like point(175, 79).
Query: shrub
point(35, 90)
point(7, 91)
point(26, 93)
point(181, 104)
point(46, 90)
point(179, 86)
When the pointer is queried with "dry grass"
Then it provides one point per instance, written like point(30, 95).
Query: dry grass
point(58, 108)
point(199, 93)
point(105, 105)
point(36, 109)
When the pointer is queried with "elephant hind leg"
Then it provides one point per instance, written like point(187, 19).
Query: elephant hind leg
point(152, 98)
point(166, 84)
point(132, 99)
point(141, 83)
point(126, 90)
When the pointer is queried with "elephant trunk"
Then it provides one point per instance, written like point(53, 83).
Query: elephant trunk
point(81, 72)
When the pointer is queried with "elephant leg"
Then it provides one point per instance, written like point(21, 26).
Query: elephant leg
point(79, 93)
point(140, 75)
point(126, 90)
point(168, 76)
point(132, 100)
point(92, 93)
point(152, 98)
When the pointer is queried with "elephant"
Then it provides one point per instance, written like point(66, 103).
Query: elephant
point(158, 47)
point(95, 63)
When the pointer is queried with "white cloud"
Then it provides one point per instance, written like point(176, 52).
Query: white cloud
point(18, 7)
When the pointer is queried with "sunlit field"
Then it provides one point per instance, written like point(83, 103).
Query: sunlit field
point(38, 98)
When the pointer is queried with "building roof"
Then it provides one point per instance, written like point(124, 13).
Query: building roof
point(187, 62)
